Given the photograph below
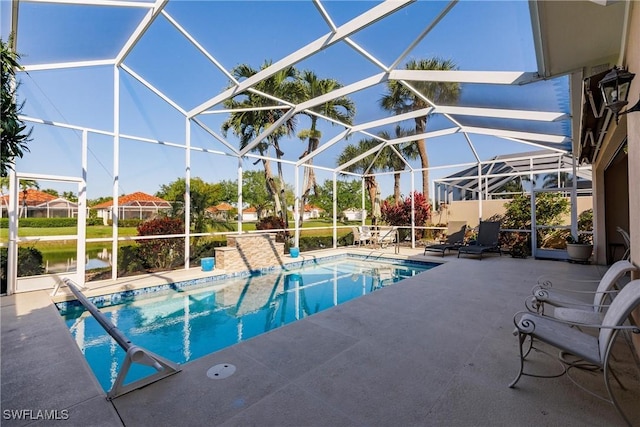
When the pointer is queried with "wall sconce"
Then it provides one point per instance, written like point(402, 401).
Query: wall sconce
point(615, 89)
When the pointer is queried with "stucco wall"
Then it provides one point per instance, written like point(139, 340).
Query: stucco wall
point(633, 131)
point(467, 210)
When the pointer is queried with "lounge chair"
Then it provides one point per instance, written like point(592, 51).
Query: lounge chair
point(360, 237)
point(455, 237)
point(627, 242)
point(568, 339)
point(567, 302)
point(487, 240)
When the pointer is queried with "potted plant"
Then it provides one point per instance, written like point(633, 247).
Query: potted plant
point(580, 249)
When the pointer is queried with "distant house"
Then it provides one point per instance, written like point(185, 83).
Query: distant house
point(250, 214)
point(38, 204)
point(136, 205)
point(353, 214)
point(219, 212)
point(312, 212)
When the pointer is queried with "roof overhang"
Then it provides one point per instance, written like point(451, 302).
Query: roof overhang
point(582, 39)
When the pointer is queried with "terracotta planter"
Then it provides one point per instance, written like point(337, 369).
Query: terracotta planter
point(579, 252)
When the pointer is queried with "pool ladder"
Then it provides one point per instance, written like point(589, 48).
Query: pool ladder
point(134, 354)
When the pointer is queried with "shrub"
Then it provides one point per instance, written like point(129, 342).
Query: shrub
point(127, 222)
point(161, 253)
point(130, 260)
point(49, 222)
point(29, 264)
point(273, 223)
point(401, 214)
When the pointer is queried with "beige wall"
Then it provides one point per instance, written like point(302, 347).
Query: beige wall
point(633, 130)
point(467, 210)
point(628, 126)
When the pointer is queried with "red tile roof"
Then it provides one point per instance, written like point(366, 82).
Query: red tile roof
point(249, 210)
point(136, 198)
point(34, 197)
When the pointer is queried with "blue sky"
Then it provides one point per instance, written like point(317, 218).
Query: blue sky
point(476, 35)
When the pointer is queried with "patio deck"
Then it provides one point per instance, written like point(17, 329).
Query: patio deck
point(436, 349)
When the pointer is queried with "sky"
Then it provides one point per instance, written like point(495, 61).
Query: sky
point(476, 35)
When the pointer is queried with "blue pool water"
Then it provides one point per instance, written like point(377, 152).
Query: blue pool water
point(188, 323)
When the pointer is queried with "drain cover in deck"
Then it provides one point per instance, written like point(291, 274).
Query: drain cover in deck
point(221, 371)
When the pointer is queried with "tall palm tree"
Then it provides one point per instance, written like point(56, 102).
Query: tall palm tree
point(354, 150)
point(556, 180)
point(341, 109)
point(400, 99)
point(26, 184)
point(409, 150)
point(247, 125)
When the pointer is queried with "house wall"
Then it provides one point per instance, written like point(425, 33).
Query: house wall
point(629, 127)
point(633, 132)
point(467, 210)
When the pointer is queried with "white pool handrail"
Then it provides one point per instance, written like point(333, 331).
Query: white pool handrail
point(134, 354)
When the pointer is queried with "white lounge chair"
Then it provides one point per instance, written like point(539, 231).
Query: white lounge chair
point(568, 339)
point(627, 242)
point(569, 305)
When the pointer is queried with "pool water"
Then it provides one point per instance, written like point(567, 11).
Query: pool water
point(184, 325)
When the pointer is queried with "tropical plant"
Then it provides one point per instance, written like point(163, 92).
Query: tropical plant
point(394, 162)
point(161, 253)
point(348, 195)
point(400, 98)
point(25, 185)
point(400, 214)
point(254, 192)
point(556, 180)
point(367, 165)
point(202, 195)
point(29, 264)
point(247, 122)
point(341, 109)
point(14, 135)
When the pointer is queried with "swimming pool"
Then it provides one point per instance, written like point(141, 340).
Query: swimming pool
point(184, 324)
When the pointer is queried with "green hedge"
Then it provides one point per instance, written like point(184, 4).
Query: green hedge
point(29, 264)
point(49, 222)
point(127, 223)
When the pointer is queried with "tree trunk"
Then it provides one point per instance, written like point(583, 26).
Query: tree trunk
point(271, 186)
point(396, 188)
point(421, 125)
point(309, 179)
point(281, 188)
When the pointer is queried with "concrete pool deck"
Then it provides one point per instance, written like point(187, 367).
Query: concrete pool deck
point(436, 349)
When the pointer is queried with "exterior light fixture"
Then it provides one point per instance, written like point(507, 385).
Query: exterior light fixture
point(615, 89)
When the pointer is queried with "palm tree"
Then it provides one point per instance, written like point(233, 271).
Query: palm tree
point(26, 184)
point(400, 99)
point(249, 124)
point(556, 180)
point(341, 109)
point(361, 166)
point(393, 162)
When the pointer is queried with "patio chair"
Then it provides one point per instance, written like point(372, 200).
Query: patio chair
point(455, 237)
point(359, 237)
point(569, 305)
point(570, 340)
point(487, 240)
point(627, 242)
